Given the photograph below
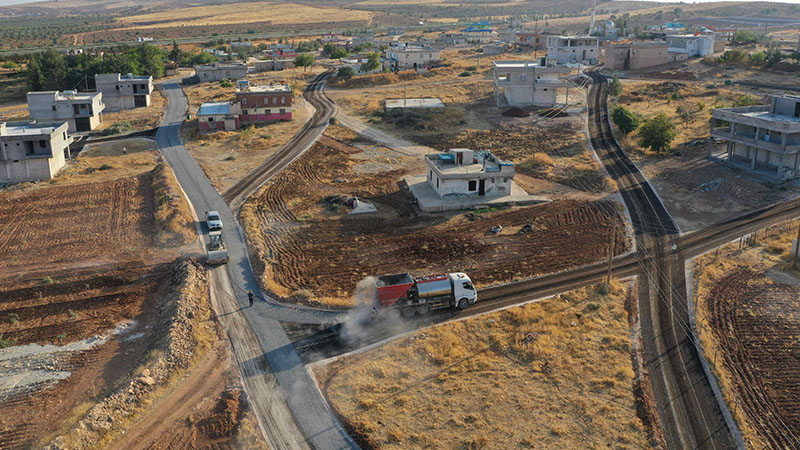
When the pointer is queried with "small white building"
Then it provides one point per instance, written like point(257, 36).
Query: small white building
point(124, 91)
point(356, 61)
point(529, 83)
point(32, 151)
point(83, 111)
point(692, 45)
point(573, 49)
point(218, 116)
point(219, 72)
point(465, 172)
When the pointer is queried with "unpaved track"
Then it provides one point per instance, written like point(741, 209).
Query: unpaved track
point(206, 379)
point(309, 410)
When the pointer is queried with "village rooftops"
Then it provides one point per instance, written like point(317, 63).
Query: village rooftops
point(214, 109)
point(28, 128)
point(461, 161)
point(535, 65)
point(132, 77)
point(66, 95)
point(266, 88)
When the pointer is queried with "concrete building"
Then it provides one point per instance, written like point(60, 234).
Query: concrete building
point(465, 172)
point(272, 64)
point(693, 45)
point(218, 116)
point(573, 49)
point(124, 91)
point(32, 151)
point(528, 83)
point(407, 56)
point(355, 62)
point(452, 38)
point(83, 111)
point(764, 137)
point(265, 103)
point(530, 40)
point(635, 55)
point(219, 72)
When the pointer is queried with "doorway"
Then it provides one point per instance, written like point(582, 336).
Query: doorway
point(482, 187)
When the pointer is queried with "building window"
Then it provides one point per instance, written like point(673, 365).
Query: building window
point(283, 100)
point(42, 144)
point(244, 100)
point(505, 180)
point(437, 183)
point(210, 119)
point(244, 111)
point(117, 86)
point(472, 185)
point(54, 107)
point(523, 78)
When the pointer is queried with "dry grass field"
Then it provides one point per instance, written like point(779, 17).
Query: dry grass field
point(747, 317)
point(553, 374)
point(136, 119)
point(234, 13)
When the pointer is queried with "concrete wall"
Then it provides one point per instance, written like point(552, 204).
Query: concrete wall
point(120, 93)
point(221, 72)
point(642, 57)
point(572, 49)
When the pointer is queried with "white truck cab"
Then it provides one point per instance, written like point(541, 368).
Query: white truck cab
point(463, 289)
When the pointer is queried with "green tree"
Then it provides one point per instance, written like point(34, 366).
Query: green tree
point(625, 119)
point(774, 56)
point(176, 53)
point(373, 63)
point(304, 60)
point(758, 58)
point(333, 51)
point(346, 72)
point(657, 133)
point(614, 86)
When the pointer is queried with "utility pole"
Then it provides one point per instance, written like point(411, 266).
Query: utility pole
point(611, 253)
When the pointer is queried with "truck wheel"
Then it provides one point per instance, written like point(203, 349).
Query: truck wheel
point(423, 309)
point(408, 312)
point(463, 304)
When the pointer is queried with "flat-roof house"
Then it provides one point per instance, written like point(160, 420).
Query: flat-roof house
point(124, 91)
point(573, 49)
point(355, 62)
point(32, 151)
point(83, 111)
point(411, 56)
point(528, 83)
point(218, 116)
point(263, 103)
point(692, 45)
point(465, 172)
point(764, 137)
point(270, 65)
point(218, 72)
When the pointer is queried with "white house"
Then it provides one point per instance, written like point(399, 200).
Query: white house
point(693, 45)
point(465, 172)
point(32, 151)
point(408, 56)
point(573, 49)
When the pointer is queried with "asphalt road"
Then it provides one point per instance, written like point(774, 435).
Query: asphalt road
point(307, 405)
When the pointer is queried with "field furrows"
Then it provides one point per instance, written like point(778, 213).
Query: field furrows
point(57, 226)
point(756, 327)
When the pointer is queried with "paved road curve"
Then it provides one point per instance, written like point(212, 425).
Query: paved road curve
point(307, 405)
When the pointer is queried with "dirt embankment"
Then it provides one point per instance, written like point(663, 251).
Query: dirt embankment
point(172, 214)
point(308, 248)
point(555, 374)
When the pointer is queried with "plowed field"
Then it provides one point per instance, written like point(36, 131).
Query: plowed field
point(756, 325)
point(70, 226)
point(53, 381)
point(307, 248)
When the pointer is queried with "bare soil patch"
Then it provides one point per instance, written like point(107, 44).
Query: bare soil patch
point(554, 374)
point(310, 249)
point(748, 314)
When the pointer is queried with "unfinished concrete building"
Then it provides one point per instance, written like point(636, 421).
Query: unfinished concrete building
point(409, 56)
point(692, 45)
point(83, 111)
point(124, 91)
point(32, 151)
point(219, 72)
point(764, 137)
point(529, 83)
point(573, 49)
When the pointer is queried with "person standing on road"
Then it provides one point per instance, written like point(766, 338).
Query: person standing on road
point(250, 297)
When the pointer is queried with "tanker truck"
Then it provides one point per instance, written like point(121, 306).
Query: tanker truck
point(420, 295)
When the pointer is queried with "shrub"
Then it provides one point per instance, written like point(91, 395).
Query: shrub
point(104, 167)
point(758, 58)
point(6, 342)
point(745, 100)
point(625, 119)
point(230, 158)
point(657, 133)
point(465, 74)
point(226, 83)
point(13, 318)
point(472, 68)
point(346, 72)
point(615, 86)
